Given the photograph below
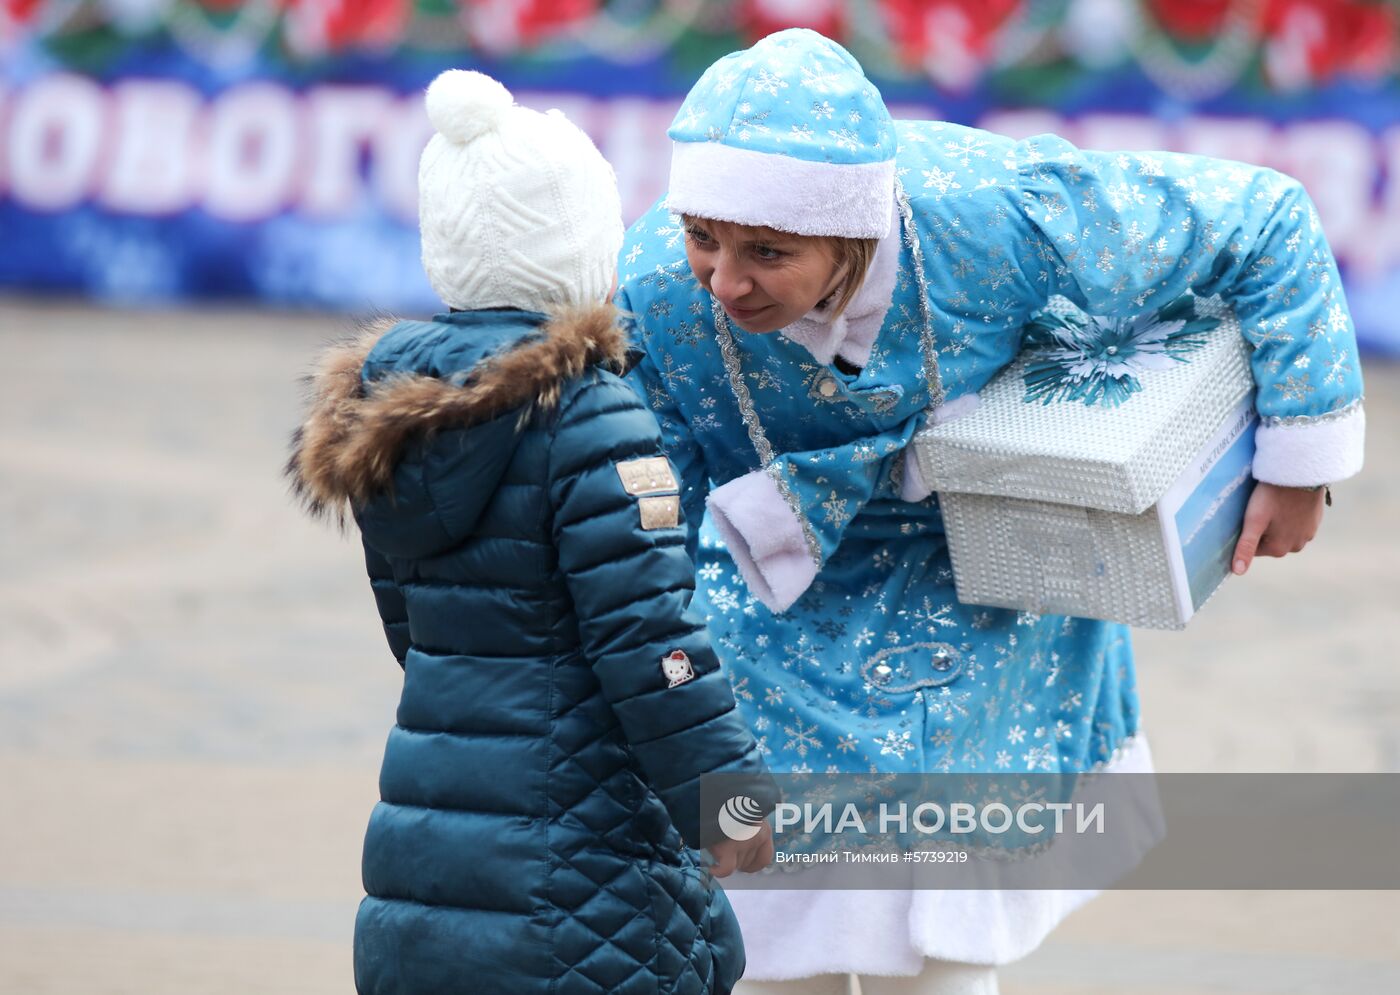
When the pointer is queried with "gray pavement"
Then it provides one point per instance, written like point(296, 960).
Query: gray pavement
point(194, 690)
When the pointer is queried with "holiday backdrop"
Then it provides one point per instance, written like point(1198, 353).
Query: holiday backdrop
point(161, 150)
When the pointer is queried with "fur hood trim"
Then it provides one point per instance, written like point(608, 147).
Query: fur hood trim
point(346, 450)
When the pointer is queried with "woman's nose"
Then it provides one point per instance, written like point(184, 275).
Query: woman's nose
point(729, 281)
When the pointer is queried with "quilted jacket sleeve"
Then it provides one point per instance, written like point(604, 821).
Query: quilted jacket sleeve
point(389, 600)
point(631, 586)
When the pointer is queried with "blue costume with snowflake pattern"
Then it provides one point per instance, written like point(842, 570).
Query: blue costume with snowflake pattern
point(873, 664)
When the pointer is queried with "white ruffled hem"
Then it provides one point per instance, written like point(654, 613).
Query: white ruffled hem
point(801, 934)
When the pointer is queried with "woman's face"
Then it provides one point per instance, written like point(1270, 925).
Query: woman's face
point(764, 279)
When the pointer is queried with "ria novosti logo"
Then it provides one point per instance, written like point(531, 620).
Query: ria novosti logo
point(740, 818)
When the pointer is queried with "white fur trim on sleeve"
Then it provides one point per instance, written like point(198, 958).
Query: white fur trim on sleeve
point(764, 537)
point(716, 181)
point(958, 407)
point(913, 487)
point(1309, 452)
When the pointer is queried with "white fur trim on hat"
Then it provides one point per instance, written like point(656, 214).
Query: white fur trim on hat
point(723, 183)
point(1306, 453)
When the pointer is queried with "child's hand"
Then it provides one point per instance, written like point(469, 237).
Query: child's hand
point(1277, 521)
point(749, 856)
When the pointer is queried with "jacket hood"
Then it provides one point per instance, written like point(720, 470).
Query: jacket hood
point(466, 383)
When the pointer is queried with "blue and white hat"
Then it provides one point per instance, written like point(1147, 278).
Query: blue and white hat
point(788, 134)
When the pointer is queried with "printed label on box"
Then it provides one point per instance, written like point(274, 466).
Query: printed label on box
point(1202, 513)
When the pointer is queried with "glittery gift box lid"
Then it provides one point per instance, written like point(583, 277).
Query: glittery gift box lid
point(1101, 413)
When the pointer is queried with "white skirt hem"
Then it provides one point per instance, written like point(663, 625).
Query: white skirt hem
point(802, 934)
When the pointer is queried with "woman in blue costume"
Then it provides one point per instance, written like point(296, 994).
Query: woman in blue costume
point(821, 281)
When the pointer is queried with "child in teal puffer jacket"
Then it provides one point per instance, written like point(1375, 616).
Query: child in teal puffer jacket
point(524, 542)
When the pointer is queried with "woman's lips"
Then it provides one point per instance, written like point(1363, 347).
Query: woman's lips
point(742, 313)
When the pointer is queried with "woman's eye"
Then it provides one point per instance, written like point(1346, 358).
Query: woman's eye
point(767, 252)
point(697, 236)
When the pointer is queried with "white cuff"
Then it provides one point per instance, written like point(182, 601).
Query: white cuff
point(764, 537)
point(958, 407)
point(913, 488)
point(1310, 452)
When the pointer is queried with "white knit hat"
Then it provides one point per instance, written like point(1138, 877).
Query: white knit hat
point(515, 208)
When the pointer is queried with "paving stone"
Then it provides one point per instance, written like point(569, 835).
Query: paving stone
point(194, 691)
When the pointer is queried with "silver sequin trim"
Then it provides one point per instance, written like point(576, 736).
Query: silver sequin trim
point(730, 353)
point(814, 549)
point(1289, 421)
point(926, 342)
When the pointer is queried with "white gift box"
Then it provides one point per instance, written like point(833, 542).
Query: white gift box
point(1127, 508)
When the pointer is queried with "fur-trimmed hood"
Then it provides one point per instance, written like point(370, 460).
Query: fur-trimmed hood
point(357, 428)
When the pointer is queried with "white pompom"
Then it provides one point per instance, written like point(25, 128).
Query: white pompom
point(463, 104)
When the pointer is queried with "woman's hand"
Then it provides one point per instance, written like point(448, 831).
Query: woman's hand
point(1278, 521)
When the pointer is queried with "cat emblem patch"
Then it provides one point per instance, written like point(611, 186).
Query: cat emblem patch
point(676, 666)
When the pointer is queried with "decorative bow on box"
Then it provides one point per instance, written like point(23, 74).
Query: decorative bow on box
point(1072, 356)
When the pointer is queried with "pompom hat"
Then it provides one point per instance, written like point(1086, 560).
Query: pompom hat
point(788, 134)
point(515, 208)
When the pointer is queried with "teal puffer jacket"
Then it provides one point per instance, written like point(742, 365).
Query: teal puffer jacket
point(542, 762)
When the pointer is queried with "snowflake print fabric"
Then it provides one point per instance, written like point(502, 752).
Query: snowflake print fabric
point(1043, 692)
point(873, 665)
point(796, 94)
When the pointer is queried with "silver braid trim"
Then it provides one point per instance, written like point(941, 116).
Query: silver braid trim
point(730, 353)
point(775, 471)
point(926, 342)
point(1294, 421)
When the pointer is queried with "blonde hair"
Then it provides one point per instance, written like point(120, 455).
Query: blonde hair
point(853, 256)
